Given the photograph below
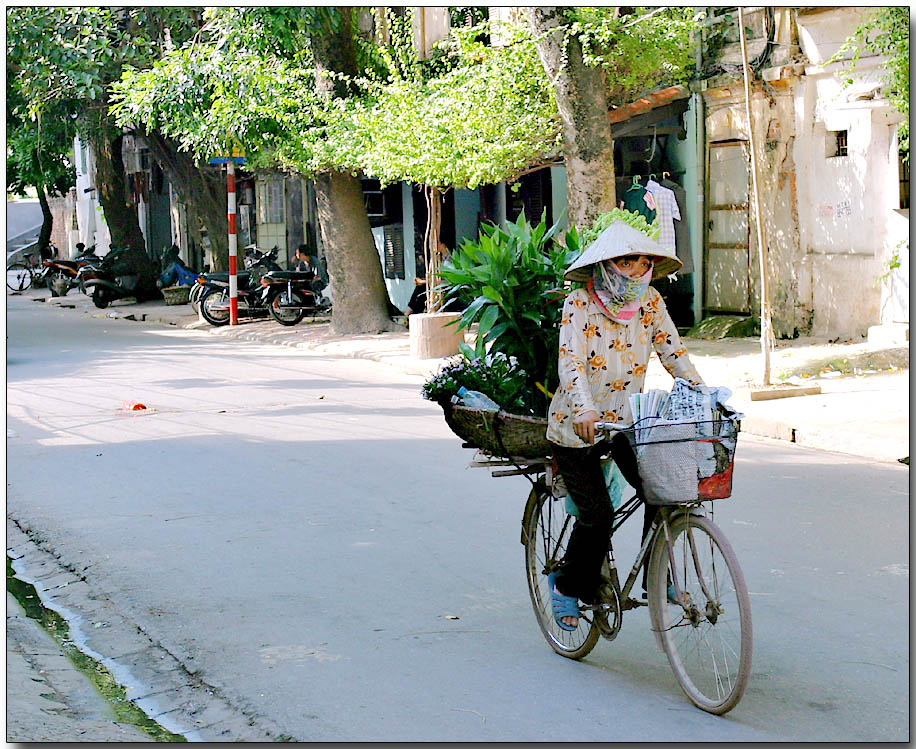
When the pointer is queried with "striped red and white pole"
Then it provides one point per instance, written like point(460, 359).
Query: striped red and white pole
point(233, 246)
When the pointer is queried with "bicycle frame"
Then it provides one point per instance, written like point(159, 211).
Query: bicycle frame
point(543, 473)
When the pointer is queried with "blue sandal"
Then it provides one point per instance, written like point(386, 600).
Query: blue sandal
point(562, 605)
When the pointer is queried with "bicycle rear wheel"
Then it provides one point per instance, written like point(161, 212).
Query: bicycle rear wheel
point(18, 277)
point(708, 636)
point(545, 531)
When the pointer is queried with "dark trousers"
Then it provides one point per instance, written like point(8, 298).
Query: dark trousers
point(580, 572)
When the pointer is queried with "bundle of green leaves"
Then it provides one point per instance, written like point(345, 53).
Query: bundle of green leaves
point(604, 220)
point(495, 375)
point(512, 282)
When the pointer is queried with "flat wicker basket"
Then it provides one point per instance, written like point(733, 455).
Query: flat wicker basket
point(176, 294)
point(498, 432)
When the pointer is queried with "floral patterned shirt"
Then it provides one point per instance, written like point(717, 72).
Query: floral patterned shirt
point(601, 361)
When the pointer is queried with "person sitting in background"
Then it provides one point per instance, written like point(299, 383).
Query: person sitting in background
point(417, 301)
point(303, 261)
point(306, 262)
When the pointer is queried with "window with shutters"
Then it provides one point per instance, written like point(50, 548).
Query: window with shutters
point(394, 251)
point(904, 165)
point(532, 197)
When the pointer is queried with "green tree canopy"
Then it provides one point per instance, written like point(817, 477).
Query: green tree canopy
point(887, 32)
point(63, 60)
point(472, 114)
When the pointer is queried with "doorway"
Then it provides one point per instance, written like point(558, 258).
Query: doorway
point(727, 270)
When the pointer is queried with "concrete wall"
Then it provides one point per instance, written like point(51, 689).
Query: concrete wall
point(558, 196)
point(832, 222)
point(91, 224)
point(850, 224)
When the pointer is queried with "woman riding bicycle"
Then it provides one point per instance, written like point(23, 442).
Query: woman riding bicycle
point(607, 334)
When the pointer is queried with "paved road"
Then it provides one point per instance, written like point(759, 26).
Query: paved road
point(296, 531)
point(22, 215)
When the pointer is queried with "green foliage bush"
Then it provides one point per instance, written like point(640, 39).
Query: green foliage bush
point(512, 281)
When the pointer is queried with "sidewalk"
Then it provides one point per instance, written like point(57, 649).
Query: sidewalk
point(863, 407)
point(47, 699)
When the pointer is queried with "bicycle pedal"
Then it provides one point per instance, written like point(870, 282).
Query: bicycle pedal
point(632, 603)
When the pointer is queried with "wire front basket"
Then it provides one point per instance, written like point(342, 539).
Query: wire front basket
point(684, 462)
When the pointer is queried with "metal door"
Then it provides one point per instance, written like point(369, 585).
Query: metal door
point(727, 273)
point(294, 217)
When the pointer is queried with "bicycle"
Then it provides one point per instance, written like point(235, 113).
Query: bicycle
point(705, 627)
point(32, 271)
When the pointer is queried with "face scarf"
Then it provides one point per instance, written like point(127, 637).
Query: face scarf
point(618, 295)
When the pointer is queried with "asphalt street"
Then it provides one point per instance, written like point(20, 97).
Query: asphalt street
point(22, 215)
point(299, 533)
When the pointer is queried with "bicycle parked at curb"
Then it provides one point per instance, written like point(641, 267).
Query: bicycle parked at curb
point(699, 609)
point(31, 271)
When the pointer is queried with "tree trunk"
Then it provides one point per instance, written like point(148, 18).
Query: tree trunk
point(354, 267)
point(111, 183)
point(47, 218)
point(201, 188)
point(580, 92)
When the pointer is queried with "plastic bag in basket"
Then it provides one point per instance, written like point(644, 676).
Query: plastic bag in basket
point(670, 469)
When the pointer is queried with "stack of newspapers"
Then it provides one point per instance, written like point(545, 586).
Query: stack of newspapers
point(685, 403)
point(672, 435)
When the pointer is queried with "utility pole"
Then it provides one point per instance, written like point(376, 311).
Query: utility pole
point(765, 322)
point(233, 244)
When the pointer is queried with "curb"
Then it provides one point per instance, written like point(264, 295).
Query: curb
point(163, 684)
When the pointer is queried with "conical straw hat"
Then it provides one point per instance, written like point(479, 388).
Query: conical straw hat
point(621, 239)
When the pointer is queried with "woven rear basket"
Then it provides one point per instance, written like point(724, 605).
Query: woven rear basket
point(498, 432)
point(176, 294)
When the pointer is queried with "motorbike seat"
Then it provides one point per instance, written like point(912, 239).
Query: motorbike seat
point(71, 264)
point(224, 275)
point(292, 275)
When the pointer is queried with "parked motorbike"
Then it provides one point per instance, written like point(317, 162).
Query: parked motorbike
point(215, 286)
point(64, 275)
point(287, 296)
point(290, 296)
point(252, 256)
point(123, 272)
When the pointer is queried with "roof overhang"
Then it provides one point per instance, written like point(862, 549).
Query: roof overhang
point(649, 115)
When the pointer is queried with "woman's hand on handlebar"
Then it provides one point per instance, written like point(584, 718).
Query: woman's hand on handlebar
point(584, 426)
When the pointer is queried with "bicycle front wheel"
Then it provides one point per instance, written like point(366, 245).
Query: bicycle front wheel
point(545, 531)
point(707, 635)
point(18, 277)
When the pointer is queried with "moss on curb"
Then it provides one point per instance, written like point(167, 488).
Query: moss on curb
point(125, 710)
